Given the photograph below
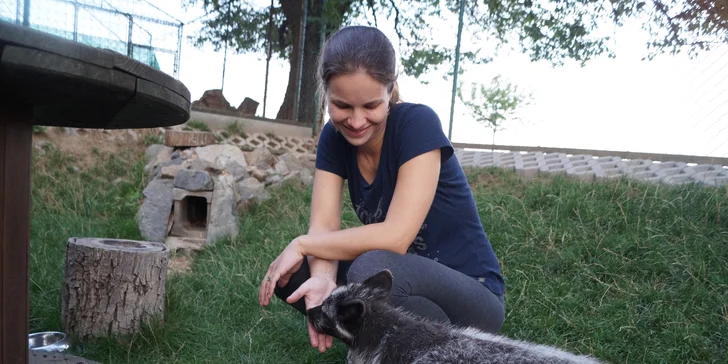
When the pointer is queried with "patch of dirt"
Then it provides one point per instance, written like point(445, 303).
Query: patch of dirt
point(179, 264)
point(81, 143)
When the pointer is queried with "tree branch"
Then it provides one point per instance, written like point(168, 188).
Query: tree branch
point(374, 12)
point(396, 22)
point(674, 28)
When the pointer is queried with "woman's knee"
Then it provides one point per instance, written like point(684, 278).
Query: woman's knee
point(370, 263)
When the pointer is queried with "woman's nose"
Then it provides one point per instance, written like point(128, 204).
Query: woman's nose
point(358, 119)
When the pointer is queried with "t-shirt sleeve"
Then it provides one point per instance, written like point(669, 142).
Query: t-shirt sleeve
point(330, 151)
point(420, 131)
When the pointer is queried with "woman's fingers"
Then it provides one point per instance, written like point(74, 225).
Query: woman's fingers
point(322, 342)
point(262, 290)
point(270, 284)
point(266, 287)
point(312, 334)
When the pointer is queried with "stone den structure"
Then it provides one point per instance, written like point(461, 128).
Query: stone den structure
point(197, 192)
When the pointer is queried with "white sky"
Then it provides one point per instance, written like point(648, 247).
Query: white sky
point(668, 105)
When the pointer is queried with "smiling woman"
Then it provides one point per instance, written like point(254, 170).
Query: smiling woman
point(419, 217)
point(358, 107)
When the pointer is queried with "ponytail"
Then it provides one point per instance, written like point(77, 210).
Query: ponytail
point(395, 99)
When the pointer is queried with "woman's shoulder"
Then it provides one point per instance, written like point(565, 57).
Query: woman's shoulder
point(407, 115)
point(410, 109)
point(416, 129)
point(329, 135)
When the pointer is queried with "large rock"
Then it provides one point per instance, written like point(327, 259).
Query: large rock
point(157, 154)
point(170, 171)
point(306, 177)
point(237, 171)
point(193, 180)
point(152, 151)
point(230, 157)
point(248, 107)
point(261, 158)
point(223, 214)
point(157, 171)
point(303, 165)
point(250, 188)
point(213, 99)
point(155, 210)
point(200, 165)
point(281, 168)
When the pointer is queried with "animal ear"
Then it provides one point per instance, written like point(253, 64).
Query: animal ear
point(382, 280)
point(352, 310)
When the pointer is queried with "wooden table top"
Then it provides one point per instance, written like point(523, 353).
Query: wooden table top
point(75, 85)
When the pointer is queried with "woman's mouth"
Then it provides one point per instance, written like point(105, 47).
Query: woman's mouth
point(356, 133)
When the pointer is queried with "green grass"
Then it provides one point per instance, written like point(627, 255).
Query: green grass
point(632, 273)
point(197, 125)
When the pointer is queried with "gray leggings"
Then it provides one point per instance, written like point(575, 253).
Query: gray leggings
point(421, 286)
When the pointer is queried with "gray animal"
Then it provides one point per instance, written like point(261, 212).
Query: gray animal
point(360, 315)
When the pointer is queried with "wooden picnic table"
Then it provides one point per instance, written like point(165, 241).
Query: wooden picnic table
point(52, 81)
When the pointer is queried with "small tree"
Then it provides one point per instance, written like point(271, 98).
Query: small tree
point(491, 105)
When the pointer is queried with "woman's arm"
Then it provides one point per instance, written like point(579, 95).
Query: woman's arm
point(325, 217)
point(415, 189)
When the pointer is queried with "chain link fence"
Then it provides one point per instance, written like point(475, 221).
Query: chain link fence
point(136, 28)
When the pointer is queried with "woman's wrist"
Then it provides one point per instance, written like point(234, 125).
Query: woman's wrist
point(318, 267)
point(299, 246)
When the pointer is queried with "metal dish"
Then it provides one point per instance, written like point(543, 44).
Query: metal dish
point(48, 341)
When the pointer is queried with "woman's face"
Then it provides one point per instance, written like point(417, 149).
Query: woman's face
point(358, 106)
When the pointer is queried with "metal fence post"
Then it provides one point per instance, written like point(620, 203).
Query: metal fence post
point(130, 43)
point(75, 22)
point(178, 56)
point(26, 13)
point(457, 68)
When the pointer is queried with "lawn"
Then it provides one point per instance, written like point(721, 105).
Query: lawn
point(629, 272)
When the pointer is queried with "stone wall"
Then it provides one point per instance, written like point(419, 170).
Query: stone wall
point(589, 168)
point(247, 141)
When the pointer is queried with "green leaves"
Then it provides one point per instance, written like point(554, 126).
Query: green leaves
point(547, 30)
point(241, 26)
point(492, 105)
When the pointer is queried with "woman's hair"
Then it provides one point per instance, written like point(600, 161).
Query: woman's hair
point(357, 48)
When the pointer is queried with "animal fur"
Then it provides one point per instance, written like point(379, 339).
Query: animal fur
point(375, 332)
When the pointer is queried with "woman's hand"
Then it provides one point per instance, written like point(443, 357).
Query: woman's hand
point(287, 263)
point(314, 291)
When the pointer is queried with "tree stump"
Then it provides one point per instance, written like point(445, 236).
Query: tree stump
point(112, 286)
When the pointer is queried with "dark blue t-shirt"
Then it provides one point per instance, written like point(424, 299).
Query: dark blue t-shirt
point(452, 233)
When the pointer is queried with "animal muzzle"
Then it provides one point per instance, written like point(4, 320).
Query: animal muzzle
point(315, 316)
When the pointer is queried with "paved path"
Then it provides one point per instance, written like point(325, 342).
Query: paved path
point(589, 168)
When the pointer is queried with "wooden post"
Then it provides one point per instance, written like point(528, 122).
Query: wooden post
point(112, 286)
point(16, 134)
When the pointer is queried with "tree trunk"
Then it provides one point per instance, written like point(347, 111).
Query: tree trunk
point(312, 45)
point(112, 287)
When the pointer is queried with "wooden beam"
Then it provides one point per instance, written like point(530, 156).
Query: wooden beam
point(16, 134)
